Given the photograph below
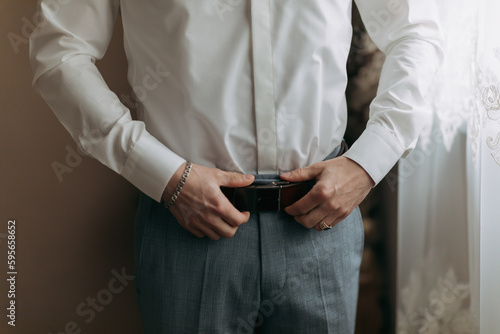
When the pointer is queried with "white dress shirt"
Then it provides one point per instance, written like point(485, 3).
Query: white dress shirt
point(255, 86)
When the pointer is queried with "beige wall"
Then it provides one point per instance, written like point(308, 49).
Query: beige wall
point(70, 234)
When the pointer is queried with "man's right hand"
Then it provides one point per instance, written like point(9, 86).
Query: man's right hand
point(201, 207)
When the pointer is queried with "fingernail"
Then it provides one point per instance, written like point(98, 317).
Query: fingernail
point(248, 177)
point(286, 174)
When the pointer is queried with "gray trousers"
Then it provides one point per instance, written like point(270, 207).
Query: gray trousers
point(273, 275)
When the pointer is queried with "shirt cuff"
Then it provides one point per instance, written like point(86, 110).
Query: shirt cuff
point(377, 151)
point(150, 165)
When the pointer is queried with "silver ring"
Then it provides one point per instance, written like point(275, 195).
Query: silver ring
point(323, 226)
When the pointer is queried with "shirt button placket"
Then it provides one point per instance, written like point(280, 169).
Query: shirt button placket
point(265, 113)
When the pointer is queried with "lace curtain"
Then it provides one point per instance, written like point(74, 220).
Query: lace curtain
point(449, 186)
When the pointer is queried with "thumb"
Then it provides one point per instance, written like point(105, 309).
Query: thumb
point(233, 180)
point(302, 174)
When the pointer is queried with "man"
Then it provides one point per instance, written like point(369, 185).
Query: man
point(241, 111)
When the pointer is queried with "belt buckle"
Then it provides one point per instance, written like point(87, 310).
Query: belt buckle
point(264, 203)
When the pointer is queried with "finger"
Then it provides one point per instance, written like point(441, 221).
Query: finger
point(237, 219)
point(234, 180)
point(223, 229)
point(320, 193)
point(336, 217)
point(229, 213)
point(303, 174)
point(303, 205)
point(215, 227)
point(313, 217)
point(337, 220)
point(207, 230)
point(194, 231)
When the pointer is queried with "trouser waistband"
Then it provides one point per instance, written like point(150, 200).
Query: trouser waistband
point(339, 150)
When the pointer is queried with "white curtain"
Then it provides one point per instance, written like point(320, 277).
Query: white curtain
point(449, 186)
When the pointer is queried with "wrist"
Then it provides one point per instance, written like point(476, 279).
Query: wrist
point(173, 183)
point(368, 180)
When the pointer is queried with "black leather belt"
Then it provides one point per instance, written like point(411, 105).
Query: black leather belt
point(273, 196)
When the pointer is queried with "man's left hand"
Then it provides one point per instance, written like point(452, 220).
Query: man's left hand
point(341, 184)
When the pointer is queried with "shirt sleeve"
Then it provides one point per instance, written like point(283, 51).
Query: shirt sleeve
point(70, 37)
point(408, 33)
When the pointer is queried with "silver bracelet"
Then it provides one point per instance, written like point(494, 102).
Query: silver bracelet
point(177, 191)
